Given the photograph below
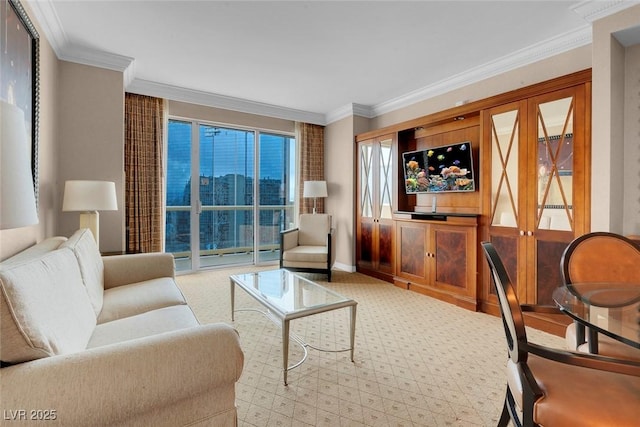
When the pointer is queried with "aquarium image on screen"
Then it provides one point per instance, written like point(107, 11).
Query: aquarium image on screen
point(439, 169)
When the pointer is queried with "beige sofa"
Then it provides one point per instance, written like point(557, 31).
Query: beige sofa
point(91, 340)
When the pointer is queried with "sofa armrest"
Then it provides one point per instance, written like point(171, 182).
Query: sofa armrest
point(119, 381)
point(124, 269)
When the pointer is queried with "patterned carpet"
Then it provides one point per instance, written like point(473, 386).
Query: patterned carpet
point(418, 361)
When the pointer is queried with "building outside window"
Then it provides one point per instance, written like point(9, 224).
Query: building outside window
point(239, 183)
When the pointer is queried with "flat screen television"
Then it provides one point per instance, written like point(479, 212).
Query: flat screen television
point(447, 168)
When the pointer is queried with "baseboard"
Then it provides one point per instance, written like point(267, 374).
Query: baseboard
point(344, 267)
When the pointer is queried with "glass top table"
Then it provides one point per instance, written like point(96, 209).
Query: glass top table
point(607, 307)
point(288, 296)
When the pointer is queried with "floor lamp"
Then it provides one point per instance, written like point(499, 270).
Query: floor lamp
point(315, 189)
point(18, 201)
point(89, 197)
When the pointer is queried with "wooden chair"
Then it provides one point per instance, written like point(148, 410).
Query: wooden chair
point(600, 257)
point(308, 247)
point(552, 387)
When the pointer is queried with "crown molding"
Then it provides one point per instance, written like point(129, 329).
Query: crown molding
point(48, 20)
point(528, 55)
point(592, 10)
point(176, 93)
point(96, 58)
point(349, 110)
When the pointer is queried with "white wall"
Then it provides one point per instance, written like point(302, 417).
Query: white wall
point(608, 187)
point(91, 115)
point(631, 177)
point(218, 115)
point(338, 163)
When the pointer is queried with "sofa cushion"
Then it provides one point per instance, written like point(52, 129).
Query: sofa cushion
point(44, 308)
point(136, 298)
point(86, 251)
point(146, 324)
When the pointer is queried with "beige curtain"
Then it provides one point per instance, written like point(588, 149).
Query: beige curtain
point(311, 142)
point(143, 172)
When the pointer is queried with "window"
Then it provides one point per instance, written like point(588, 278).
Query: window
point(227, 200)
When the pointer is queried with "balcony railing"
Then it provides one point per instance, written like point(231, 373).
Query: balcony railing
point(240, 238)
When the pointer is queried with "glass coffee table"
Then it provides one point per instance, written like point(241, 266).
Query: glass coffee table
point(288, 296)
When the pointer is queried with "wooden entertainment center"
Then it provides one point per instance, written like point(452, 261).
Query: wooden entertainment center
point(532, 159)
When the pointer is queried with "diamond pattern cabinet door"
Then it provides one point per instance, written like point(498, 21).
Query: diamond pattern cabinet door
point(385, 179)
point(536, 200)
point(375, 248)
point(366, 234)
point(555, 164)
point(505, 142)
point(558, 142)
point(366, 179)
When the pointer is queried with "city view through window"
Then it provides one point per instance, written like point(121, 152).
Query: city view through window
point(229, 172)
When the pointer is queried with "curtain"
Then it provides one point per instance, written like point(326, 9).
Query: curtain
point(144, 119)
point(311, 142)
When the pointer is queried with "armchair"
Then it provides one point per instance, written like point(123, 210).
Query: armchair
point(308, 247)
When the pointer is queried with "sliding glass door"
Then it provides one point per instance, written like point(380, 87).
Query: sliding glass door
point(212, 188)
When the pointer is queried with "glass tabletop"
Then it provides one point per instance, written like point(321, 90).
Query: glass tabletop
point(612, 308)
point(288, 293)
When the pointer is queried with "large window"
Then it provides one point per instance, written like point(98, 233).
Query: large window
point(238, 183)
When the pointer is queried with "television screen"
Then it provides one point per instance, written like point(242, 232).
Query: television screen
point(439, 169)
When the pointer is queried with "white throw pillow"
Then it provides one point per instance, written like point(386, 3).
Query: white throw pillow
point(44, 308)
point(84, 247)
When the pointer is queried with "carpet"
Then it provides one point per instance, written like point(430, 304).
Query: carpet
point(418, 361)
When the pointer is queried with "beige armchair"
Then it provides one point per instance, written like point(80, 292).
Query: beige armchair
point(308, 247)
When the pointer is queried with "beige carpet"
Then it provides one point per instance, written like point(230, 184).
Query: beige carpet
point(418, 361)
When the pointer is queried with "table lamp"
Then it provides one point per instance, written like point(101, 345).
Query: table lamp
point(89, 197)
point(18, 201)
point(315, 189)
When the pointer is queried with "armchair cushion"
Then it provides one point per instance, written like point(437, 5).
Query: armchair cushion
point(313, 229)
point(306, 254)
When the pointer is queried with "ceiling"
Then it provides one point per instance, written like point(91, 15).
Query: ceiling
point(312, 60)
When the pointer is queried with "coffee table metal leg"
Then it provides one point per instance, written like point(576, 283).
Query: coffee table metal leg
point(285, 349)
point(233, 287)
point(353, 329)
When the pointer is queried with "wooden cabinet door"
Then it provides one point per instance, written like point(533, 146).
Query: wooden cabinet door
point(375, 246)
point(558, 139)
point(384, 209)
point(412, 259)
point(365, 221)
point(505, 174)
point(453, 259)
point(539, 184)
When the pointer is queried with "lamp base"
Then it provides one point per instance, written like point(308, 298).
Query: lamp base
point(91, 220)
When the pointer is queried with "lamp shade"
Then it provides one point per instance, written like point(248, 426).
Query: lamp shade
point(89, 196)
point(17, 198)
point(315, 189)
